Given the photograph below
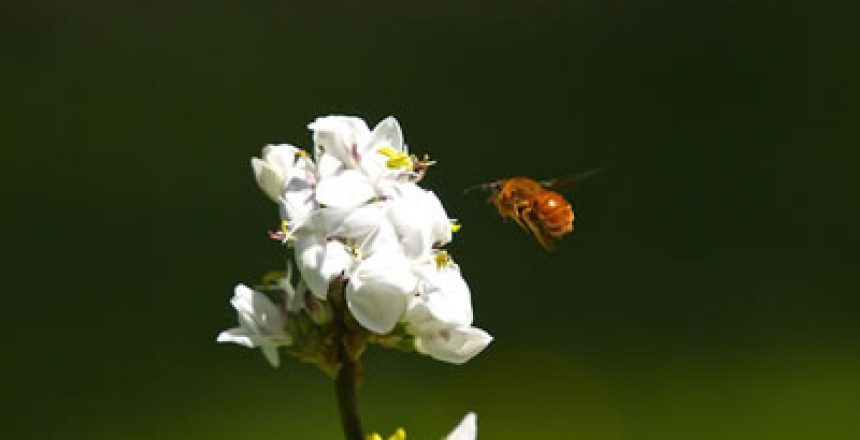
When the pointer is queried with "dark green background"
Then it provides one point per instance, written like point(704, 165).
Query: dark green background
point(709, 292)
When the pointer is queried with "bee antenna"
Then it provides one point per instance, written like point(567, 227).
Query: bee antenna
point(472, 188)
point(482, 187)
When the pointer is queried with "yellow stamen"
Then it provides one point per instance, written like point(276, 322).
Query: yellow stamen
point(456, 226)
point(302, 153)
point(443, 259)
point(396, 159)
point(399, 434)
point(286, 237)
point(353, 248)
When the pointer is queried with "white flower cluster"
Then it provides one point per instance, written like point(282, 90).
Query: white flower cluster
point(354, 214)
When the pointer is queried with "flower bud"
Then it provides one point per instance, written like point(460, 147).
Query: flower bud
point(318, 310)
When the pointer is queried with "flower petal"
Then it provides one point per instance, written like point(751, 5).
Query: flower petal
point(310, 251)
point(298, 199)
point(269, 178)
point(257, 314)
point(337, 260)
point(275, 169)
point(377, 310)
point(354, 223)
point(379, 291)
point(439, 221)
point(293, 296)
point(466, 430)
point(419, 219)
point(261, 323)
point(319, 260)
point(345, 190)
point(270, 352)
point(453, 344)
point(386, 134)
point(340, 136)
point(236, 335)
point(282, 157)
point(328, 165)
point(443, 296)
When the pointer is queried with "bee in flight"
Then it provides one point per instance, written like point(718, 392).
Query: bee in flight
point(536, 205)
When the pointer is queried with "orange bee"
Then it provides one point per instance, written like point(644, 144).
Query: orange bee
point(537, 206)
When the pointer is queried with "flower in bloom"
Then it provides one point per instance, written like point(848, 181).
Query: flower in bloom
point(285, 174)
point(346, 143)
point(261, 324)
point(440, 315)
point(419, 219)
point(377, 293)
point(355, 214)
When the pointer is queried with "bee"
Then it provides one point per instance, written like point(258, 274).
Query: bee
point(536, 205)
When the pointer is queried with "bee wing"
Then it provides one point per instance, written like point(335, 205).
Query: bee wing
point(567, 183)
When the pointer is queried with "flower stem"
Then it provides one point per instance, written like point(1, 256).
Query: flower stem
point(345, 382)
point(347, 403)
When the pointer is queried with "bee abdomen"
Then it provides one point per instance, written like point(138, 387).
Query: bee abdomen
point(556, 214)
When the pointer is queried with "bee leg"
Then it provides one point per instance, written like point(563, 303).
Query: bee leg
point(545, 240)
point(520, 211)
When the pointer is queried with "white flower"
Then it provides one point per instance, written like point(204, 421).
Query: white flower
point(466, 430)
point(286, 175)
point(419, 219)
point(345, 143)
point(342, 137)
point(333, 239)
point(440, 313)
point(455, 344)
point(261, 324)
point(384, 144)
point(320, 260)
point(272, 169)
point(345, 190)
point(442, 294)
point(379, 290)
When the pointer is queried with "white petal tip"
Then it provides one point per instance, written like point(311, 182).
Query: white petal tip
point(235, 335)
point(271, 355)
point(270, 180)
point(466, 430)
point(457, 346)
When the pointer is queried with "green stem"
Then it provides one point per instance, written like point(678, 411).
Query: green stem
point(345, 383)
point(347, 402)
